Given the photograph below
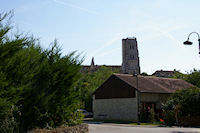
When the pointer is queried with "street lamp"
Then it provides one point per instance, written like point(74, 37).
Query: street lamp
point(189, 42)
point(138, 96)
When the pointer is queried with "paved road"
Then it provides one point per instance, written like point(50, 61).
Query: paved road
point(123, 128)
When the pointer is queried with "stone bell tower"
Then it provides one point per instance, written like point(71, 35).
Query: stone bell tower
point(130, 58)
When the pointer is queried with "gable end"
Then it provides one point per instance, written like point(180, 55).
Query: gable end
point(114, 87)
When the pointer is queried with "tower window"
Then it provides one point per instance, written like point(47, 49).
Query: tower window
point(131, 56)
point(131, 46)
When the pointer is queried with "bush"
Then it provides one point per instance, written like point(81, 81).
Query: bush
point(168, 115)
point(9, 124)
point(152, 116)
point(183, 103)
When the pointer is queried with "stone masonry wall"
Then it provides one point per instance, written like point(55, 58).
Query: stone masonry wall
point(123, 109)
point(154, 97)
point(130, 57)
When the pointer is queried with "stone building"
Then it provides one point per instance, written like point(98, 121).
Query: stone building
point(123, 96)
point(94, 68)
point(130, 59)
point(130, 56)
point(164, 73)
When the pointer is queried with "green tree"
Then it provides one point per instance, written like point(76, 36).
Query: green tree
point(90, 81)
point(37, 86)
point(9, 91)
point(144, 74)
point(194, 78)
point(179, 75)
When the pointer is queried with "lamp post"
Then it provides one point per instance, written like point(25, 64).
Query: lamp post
point(189, 42)
point(138, 97)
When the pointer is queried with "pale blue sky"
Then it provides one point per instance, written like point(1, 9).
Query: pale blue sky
point(96, 27)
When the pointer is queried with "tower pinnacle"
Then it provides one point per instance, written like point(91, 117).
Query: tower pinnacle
point(92, 62)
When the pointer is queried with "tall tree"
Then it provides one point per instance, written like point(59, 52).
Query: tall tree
point(37, 86)
point(90, 81)
point(192, 77)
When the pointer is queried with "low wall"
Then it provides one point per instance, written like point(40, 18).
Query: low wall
point(123, 109)
point(82, 128)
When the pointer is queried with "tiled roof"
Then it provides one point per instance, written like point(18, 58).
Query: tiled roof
point(154, 84)
point(165, 72)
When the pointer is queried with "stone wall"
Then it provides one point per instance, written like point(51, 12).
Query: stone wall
point(82, 128)
point(123, 109)
point(154, 97)
point(130, 56)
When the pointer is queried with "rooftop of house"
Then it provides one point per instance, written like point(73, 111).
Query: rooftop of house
point(149, 84)
point(154, 84)
point(164, 71)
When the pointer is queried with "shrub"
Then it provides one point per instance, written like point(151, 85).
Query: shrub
point(182, 103)
point(152, 116)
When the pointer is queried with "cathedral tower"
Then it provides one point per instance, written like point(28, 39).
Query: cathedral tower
point(130, 58)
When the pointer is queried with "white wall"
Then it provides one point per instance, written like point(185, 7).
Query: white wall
point(123, 109)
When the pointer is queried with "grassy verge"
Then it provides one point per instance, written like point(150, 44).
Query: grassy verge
point(149, 124)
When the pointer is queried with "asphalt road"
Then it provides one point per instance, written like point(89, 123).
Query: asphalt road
point(124, 128)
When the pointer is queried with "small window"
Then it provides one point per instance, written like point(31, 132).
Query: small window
point(131, 56)
point(131, 46)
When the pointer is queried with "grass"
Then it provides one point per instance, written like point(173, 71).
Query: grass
point(148, 124)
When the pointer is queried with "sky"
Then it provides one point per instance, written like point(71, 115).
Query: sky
point(95, 28)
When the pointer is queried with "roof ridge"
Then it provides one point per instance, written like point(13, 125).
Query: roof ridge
point(162, 78)
point(147, 76)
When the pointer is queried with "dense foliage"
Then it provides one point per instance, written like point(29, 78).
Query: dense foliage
point(37, 86)
point(190, 107)
point(144, 74)
point(193, 77)
point(182, 103)
point(90, 81)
